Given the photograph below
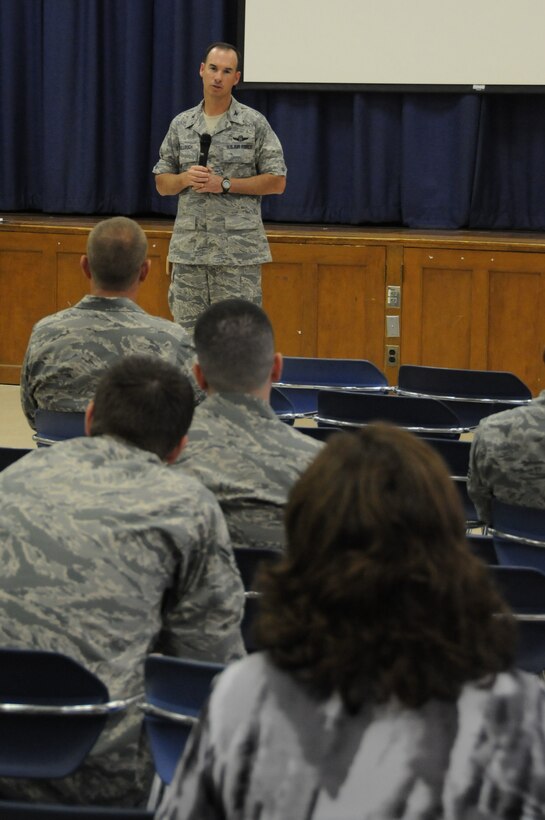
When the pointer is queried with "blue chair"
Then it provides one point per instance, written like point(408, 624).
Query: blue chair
point(53, 426)
point(176, 690)
point(9, 455)
point(282, 406)
point(483, 547)
point(303, 377)
point(10, 810)
point(52, 711)
point(530, 651)
point(522, 587)
point(456, 455)
point(421, 416)
point(519, 535)
point(472, 394)
point(249, 560)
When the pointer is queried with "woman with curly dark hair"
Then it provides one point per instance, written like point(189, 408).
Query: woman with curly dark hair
point(385, 688)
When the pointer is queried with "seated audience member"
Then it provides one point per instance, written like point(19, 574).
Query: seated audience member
point(238, 447)
point(507, 458)
point(108, 555)
point(69, 350)
point(386, 687)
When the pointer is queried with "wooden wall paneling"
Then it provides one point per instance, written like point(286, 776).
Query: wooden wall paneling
point(27, 292)
point(351, 298)
point(437, 309)
point(290, 298)
point(516, 331)
point(72, 284)
point(475, 309)
point(153, 294)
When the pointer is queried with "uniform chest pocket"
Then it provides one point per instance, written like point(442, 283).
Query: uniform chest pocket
point(188, 156)
point(239, 153)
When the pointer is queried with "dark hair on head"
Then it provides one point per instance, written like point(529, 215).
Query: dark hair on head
point(378, 594)
point(234, 342)
point(224, 47)
point(145, 401)
point(116, 249)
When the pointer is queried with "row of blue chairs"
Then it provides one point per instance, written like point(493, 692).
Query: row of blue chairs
point(448, 397)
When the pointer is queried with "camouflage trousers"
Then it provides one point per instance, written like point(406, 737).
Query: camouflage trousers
point(194, 287)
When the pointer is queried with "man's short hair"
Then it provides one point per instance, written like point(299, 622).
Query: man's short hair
point(144, 401)
point(224, 47)
point(116, 249)
point(234, 341)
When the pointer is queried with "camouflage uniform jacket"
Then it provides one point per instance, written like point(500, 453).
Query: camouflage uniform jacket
point(250, 459)
point(507, 459)
point(69, 350)
point(108, 555)
point(265, 748)
point(218, 229)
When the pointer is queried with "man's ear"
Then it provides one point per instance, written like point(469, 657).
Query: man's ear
point(144, 270)
point(276, 371)
point(84, 265)
point(175, 452)
point(89, 415)
point(200, 377)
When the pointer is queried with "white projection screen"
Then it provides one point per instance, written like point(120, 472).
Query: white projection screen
point(435, 45)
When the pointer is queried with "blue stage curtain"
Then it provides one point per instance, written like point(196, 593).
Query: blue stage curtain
point(88, 88)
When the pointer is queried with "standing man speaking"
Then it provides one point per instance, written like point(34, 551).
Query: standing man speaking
point(220, 158)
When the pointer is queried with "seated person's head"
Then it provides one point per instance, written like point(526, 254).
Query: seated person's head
point(144, 401)
point(116, 256)
point(378, 595)
point(234, 342)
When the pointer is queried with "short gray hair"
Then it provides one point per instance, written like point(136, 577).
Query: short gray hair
point(234, 341)
point(116, 249)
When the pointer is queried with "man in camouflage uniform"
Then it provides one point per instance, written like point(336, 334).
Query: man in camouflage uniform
point(108, 555)
point(507, 458)
point(237, 446)
point(218, 242)
point(69, 350)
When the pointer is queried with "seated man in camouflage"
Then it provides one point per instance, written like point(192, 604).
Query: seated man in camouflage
point(69, 350)
point(507, 458)
point(237, 446)
point(107, 555)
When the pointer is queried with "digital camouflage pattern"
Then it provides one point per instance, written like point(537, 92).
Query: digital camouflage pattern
point(69, 351)
point(266, 749)
point(108, 555)
point(250, 460)
point(193, 288)
point(222, 231)
point(507, 458)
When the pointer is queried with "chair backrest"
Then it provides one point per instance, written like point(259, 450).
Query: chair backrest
point(250, 559)
point(522, 587)
point(455, 452)
point(472, 394)
point(53, 426)
point(52, 711)
point(299, 371)
point(176, 689)
point(519, 535)
point(282, 405)
point(448, 382)
point(530, 651)
point(483, 547)
point(303, 377)
point(9, 455)
point(358, 409)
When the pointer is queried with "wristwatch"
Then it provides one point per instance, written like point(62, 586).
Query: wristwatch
point(225, 185)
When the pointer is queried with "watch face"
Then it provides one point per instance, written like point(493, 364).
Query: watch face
point(225, 184)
